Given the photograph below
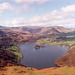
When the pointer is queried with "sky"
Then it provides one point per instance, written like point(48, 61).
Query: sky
point(15, 13)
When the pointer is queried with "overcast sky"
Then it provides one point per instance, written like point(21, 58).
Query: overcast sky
point(37, 13)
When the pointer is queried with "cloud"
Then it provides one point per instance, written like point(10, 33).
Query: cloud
point(0, 16)
point(31, 1)
point(5, 6)
point(69, 9)
point(64, 17)
point(16, 22)
point(24, 5)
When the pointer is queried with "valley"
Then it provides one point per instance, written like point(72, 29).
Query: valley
point(11, 37)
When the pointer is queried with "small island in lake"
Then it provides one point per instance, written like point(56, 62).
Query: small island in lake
point(39, 46)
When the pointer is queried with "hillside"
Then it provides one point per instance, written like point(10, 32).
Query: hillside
point(20, 70)
point(9, 51)
point(68, 59)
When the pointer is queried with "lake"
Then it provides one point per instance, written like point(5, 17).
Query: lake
point(41, 58)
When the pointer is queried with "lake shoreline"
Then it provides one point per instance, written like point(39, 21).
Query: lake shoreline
point(35, 43)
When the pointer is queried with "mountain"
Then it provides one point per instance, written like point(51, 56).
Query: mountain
point(44, 30)
point(61, 29)
point(31, 29)
point(38, 29)
point(49, 30)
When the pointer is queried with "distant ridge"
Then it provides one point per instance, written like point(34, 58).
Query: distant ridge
point(38, 29)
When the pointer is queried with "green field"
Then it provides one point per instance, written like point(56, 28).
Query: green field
point(65, 40)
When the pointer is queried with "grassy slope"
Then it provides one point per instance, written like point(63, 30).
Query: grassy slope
point(19, 70)
point(60, 71)
point(71, 47)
